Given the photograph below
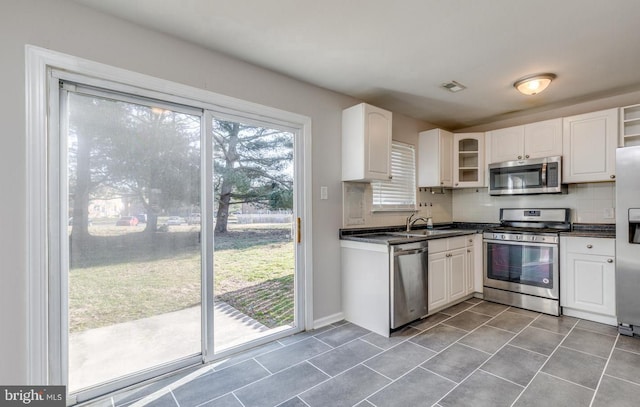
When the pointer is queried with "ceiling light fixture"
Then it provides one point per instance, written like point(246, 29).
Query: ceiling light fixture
point(534, 84)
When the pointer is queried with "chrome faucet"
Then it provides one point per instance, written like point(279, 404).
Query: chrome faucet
point(411, 221)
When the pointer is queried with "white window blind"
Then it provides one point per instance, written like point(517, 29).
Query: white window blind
point(399, 193)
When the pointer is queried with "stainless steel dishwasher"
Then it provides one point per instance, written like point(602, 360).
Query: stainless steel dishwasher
point(408, 282)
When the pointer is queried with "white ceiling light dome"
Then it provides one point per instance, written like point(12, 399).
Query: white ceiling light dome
point(534, 84)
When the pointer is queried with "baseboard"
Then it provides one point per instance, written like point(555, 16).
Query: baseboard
point(319, 323)
point(603, 319)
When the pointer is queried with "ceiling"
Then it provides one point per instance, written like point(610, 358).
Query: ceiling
point(397, 54)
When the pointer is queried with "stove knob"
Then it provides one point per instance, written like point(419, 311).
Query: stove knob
point(534, 238)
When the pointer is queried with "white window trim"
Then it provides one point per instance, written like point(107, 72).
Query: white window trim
point(397, 178)
point(38, 62)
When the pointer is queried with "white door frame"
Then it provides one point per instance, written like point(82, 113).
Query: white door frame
point(39, 62)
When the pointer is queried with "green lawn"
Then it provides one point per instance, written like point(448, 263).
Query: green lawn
point(124, 277)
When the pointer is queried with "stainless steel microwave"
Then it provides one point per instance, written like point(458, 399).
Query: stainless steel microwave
point(534, 176)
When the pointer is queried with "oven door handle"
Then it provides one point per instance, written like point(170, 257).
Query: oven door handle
point(544, 174)
point(520, 243)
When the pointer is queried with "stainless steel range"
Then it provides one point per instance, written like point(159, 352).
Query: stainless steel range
point(521, 258)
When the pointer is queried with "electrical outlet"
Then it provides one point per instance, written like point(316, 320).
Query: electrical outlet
point(608, 213)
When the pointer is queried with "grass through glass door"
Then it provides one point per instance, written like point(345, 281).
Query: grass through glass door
point(254, 255)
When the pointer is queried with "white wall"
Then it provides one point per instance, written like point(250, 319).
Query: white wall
point(68, 27)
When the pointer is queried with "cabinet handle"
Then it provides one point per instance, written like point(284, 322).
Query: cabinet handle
point(609, 260)
point(612, 177)
point(390, 177)
point(589, 246)
point(526, 156)
point(442, 183)
point(456, 184)
point(470, 240)
point(519, 157)
point(468, 250)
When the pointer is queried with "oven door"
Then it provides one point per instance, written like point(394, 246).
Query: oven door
point(525, 267)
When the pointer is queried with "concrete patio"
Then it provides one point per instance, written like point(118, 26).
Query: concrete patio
point(102, 354)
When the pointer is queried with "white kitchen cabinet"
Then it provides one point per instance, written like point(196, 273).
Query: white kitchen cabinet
point(534, 140)
point(587, 278)
point(437, 290)
point(365, 285)
point(435, 154)
point(506, 144)
point(468, 160)
point(473, 265)
point(629, 126)
point(458, 274)
point(589, 147)
point(449, 271)
point(366, 143)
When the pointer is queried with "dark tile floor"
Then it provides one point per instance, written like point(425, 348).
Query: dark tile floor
point(475, 353)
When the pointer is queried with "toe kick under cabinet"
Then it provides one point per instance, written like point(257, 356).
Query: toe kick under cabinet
point(587, 278)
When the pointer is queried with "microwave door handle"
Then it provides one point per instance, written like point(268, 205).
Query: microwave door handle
point(544, 174)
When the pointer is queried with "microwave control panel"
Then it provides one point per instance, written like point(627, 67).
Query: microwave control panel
point(553, 175)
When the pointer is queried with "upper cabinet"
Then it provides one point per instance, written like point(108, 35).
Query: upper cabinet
point(535, 140)
point(589, 144)
point(468, 160)
point(629, 126)
point(366, 143)
point(435, 153)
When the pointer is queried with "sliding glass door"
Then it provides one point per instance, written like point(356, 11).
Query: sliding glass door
point(134, 248)
point(174, 234)
point(254, 232)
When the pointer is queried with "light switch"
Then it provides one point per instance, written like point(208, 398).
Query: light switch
point(324, 193)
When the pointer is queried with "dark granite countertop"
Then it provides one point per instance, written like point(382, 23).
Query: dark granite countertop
point(398, 235)
point(407, 237)
point(390, 234)
point(602, 230)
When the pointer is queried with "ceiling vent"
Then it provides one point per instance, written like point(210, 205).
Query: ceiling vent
point(453, 86)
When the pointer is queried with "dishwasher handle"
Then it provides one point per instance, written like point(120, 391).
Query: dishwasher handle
point(410, 251)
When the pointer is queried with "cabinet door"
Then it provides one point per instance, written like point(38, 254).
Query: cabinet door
point(507, 144)
point(589, 144)
point(457, 274)
point(543, 139)
point(588, 283)
point(446, 160)
point(366, 143)
point(435, 150)
point(468, 160)
point(437, 290)
point(470, 270)
point(377, 143)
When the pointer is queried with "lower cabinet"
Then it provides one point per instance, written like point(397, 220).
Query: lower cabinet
point(587, 278)
point(451, 271)
point(366, 271)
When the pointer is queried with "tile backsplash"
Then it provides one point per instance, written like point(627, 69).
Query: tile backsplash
point(357, 199)
point(590, 203)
